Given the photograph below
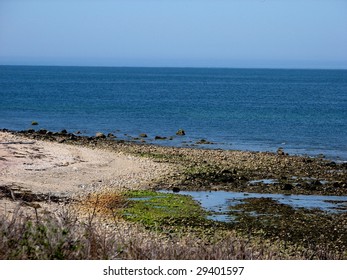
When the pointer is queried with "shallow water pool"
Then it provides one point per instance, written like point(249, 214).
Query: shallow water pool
point(219, 202)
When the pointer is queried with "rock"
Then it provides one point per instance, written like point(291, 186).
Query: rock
point(110, 135)
point(100, 135)
point(316, 183)
point(34, 123)
point(143, 135)
point(64, 131)
point(280, 152)
point(72, 136)
point(204, 142)
point(159, 138)
point(176, 189)
point(180, 132)
point(287, 187)
point(42, 131)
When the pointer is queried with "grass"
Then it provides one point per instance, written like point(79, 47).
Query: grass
point(150, 234)
point(154, 209)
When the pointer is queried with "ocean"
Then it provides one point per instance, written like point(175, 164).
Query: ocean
point(302, 111)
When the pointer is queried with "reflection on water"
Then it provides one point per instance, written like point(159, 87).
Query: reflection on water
point(218, 202)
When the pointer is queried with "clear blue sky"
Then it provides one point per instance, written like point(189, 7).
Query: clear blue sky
point(197, 33)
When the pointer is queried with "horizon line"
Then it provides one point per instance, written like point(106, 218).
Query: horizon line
point(181, 67)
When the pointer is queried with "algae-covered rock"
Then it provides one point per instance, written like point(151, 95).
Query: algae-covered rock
point(180, 132)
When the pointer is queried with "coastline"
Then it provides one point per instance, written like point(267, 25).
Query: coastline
point(203, 169)
point(101, 179)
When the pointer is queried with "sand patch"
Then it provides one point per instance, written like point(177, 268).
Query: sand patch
point(44, 167)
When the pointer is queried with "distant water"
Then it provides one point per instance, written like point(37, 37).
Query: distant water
point(303, 111)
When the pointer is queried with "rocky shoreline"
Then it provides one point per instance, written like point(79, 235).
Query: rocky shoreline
point(111, 184)
point(202, 169)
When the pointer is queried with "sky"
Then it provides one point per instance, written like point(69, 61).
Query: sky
point(175, 33)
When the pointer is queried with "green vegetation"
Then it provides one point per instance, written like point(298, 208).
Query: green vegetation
point(161, 211)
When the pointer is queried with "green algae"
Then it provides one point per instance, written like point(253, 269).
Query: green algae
point(161, 211)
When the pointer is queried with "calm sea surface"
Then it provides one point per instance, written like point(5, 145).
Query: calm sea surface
point(303, 111)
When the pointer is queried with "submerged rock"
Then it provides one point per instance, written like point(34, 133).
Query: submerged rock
point(180, 132)
point(203, 142)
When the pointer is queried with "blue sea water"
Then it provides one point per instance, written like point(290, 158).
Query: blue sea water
point(303, 111)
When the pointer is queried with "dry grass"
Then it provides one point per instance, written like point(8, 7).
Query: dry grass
point(65, 235)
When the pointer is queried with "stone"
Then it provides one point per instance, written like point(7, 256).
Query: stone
point(34, 123)
point(287, 187)
point(100, 135)
point(280, 152)
point(316, 183)
point(159, 138)
point(180, 132)
point(143, 135)
point(72, 137)
point(42, 131)
point(203, 142)
point(176, 189)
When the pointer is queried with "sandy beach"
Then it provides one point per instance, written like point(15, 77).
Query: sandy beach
point(63, 170)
